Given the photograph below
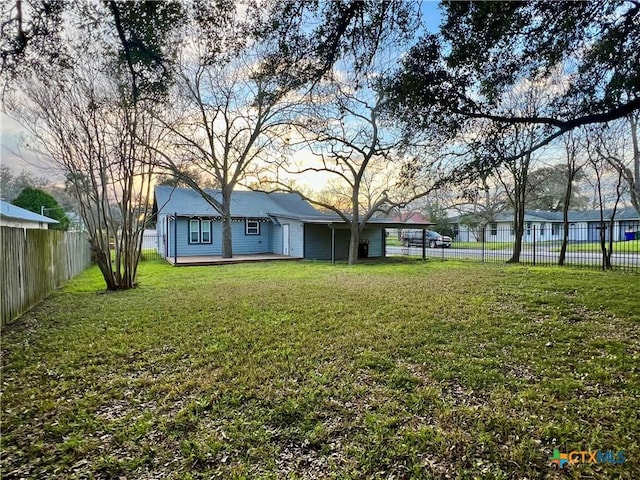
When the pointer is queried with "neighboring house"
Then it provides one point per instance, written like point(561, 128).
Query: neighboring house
point(584, 226)
point(276, 223)
point(12, 216)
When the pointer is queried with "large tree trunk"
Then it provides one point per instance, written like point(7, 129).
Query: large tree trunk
point(606, 257)
point(354, 243)
point(518, 226)
point(565, 220)
point(104, 264)
point(354, 239)
point(565, 235)
point(227, 244)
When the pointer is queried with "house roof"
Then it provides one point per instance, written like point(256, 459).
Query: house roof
point(244, 204)
point(18, 213)
point(250, 204)
point(626, 213)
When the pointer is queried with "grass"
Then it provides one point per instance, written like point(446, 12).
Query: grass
point(632, 246)
point(309, 370)
point(393, 242)
point(485, 246)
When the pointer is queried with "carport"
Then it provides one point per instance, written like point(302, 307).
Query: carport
point(328, 238)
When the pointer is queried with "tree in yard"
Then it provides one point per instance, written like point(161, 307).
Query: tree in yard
point(38, 201)
point(499, 147)
point(601, 168)
point(548, 186)
point(241, 76)
point(343, 136)
point(619, 145)
point(572, 170)
point(485, 49)
point(513, 174)
point(487, 200)
point(90, 118)
point(85, 130)
point(228, 109)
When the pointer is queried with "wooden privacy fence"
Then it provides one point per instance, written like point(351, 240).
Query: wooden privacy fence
point(36, 262)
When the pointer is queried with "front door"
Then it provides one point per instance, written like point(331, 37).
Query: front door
point(285, 239)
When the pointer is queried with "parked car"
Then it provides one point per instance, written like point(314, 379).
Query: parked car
point(433, 239)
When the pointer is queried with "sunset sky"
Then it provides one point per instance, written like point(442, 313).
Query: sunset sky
point(18, 158)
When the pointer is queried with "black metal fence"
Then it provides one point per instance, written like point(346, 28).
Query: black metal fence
point(540, 246)
point(150, 246)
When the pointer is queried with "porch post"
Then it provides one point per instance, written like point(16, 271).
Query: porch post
point(384, 243)
point(333, 244)
point(175, 238)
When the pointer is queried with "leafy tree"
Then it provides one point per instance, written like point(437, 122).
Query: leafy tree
point(310, 36)
point(90, 116)
point(547, 186)
point(314, 36)
point(585, 51)
point(38, 38)
point(38, 201)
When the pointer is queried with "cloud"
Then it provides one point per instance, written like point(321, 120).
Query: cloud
point(14, 155)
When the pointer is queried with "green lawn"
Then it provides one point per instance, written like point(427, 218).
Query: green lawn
point(485, 246)
point(632, 246)
point(308, 370)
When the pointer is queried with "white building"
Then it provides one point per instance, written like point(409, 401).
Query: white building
point(12, 216)
point(540, 226)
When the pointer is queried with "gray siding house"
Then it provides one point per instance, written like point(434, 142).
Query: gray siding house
point(584, 226)
point(262, 223)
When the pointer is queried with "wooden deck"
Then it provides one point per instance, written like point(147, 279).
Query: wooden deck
point(216, 260)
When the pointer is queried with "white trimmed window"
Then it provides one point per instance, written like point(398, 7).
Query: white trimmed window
point(205, 231)
point(194, 231)
point(199, 231)
point(252, 227)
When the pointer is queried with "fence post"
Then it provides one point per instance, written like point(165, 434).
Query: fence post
point(483, 235)
point(534, 243)
point(424, 246)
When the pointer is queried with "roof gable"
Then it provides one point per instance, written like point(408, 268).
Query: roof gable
point(12, 211)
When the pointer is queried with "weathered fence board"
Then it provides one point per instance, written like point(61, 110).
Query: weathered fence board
point(36, 262)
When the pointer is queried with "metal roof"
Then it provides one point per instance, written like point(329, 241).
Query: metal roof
point(625, 213)
point(11, 211)
point(244, 203)
point(250, 204)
